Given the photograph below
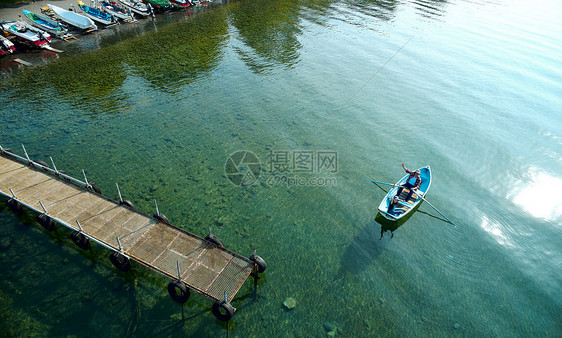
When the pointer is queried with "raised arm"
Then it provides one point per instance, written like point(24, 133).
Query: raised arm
point(406, 169)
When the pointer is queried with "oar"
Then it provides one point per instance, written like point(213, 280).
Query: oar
point(434, 208)
point(394, 185)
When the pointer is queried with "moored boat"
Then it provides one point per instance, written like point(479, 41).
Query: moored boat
point(182, 3)
point(26, 33)
point(403, 207)
point(116, 10)
point(138, 7)
point(96, 14)
point(73, 19)
point(47, 24)
point(6, 46)
point(160, 4)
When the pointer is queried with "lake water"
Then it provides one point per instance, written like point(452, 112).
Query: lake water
point(323, 93)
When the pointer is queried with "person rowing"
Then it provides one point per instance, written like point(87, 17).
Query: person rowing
point(392, 203)
point(413, 182)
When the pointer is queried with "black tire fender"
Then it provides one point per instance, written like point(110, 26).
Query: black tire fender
point(43, 163)
point(223, 310)
point(80, 240)
point(63, 176)
point(128, 204)
point(46, 222)
point(15, 206)
point(178, 291)
point(94, 187)
point(161, 218)
point(120, 262)
point(214, 240)
point(260, 263)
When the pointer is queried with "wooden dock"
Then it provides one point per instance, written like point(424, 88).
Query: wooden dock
point(203, 266)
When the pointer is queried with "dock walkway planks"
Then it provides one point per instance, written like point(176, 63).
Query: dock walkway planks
point(204, 267)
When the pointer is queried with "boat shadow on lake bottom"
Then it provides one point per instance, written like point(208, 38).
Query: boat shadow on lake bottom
point(363, 250)
point(370, 242)
point(390, 225)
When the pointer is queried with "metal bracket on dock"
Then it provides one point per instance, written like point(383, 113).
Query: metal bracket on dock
point(54, 166)
point(86, 179)
point(80, 230)
point(13, 195)
point(156, 205)
point(119, 192)
point(119, 243)
point(179, 273)
point(26, 155)
point(44, 209)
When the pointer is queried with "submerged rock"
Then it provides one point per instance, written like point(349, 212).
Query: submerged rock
point(290, 303)
point(5, 243)
point(329, 326)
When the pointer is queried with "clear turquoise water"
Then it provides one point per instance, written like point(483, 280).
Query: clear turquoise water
point(470, 88)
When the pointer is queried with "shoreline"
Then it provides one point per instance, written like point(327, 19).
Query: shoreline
point(11, 12)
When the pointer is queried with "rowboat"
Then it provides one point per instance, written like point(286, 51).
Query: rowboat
point(402, 207)
point(6, 46)
point(26, 33)
point(73, 19)
point(161, 4)
point(47, 24)
point(116, 10)
point(137, 7)
point(97, 15)
point(181, 3)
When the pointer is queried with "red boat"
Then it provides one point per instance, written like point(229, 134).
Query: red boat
point(6, 46)
point(26, 33)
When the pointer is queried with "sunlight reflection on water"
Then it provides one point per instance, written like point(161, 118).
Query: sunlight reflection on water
point(496, 230)
point(539, 196)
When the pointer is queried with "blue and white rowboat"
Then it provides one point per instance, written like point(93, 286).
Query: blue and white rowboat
point(403, 208)
point(96, 14)
point(47, 24)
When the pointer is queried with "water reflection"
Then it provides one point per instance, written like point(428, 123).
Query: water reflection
point(269, 32)
point(383, 10)
point(429, 8)
point(177, 54)
point(539, 195)
point(497, 231)
point(168, 55)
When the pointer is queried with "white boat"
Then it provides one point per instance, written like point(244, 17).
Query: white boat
point(6, 46)
point(26, 33)
point(47, 24)
point(138, 7)
point(73, 19)
point(117, 10)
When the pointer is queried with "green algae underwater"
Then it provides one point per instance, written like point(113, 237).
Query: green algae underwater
point(161, 111)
